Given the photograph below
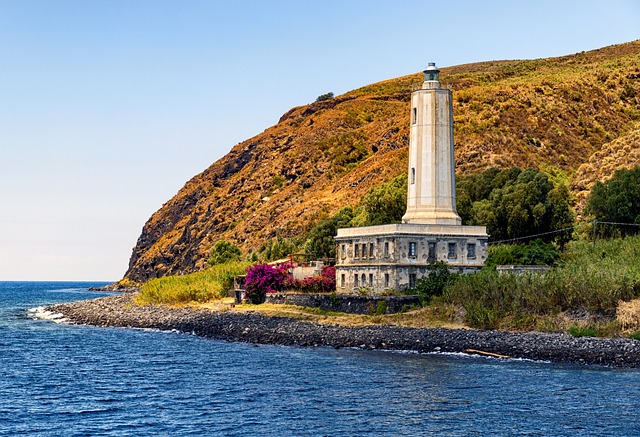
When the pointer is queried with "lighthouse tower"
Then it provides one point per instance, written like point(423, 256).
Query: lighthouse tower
point(431, 192)
point(383, 258)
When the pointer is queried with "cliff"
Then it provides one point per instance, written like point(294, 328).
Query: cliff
point(577, 114)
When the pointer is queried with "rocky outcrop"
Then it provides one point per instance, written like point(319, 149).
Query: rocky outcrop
point(118, 311)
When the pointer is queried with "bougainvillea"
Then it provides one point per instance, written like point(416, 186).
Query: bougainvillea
point(264, 278)
point(323, 283)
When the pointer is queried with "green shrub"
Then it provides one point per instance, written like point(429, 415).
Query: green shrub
point(536, 252)
point(435, 282)
point(323, 97)
point(583, 331)
point(277, 248)
point(320, 240)
point(634, 336)
point(381, 309)
point(365, 291)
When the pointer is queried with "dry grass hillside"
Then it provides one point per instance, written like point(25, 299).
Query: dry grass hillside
point(579, 114)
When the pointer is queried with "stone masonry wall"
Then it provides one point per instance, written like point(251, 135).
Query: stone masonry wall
point(342, 303)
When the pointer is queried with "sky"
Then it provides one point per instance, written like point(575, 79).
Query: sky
point(108, 107)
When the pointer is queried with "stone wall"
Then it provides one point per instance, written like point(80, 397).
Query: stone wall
point(342, 303)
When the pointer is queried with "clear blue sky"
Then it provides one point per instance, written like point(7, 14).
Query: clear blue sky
point(108, 107)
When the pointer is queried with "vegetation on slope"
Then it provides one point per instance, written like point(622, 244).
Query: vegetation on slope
point(547, 113)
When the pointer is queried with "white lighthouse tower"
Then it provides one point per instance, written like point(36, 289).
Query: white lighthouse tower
point(386, 258)
point(431, 192)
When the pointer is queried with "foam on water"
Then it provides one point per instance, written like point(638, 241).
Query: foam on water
point(43, 314)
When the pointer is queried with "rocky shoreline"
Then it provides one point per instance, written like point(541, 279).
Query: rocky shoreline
point(118, 311)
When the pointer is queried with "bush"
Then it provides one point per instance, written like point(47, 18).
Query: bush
point(264, 278)
point(583, 331)
point(323, 97)
point(536, 252)
point(435, 282)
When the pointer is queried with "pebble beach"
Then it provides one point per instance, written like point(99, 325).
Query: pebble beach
point(119, 311)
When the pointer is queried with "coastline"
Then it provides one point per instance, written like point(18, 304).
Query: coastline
point(119, 311)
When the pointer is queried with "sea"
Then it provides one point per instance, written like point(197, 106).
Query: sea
point(63, 380)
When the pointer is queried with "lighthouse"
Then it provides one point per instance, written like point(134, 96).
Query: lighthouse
point(431, 191)
point(387, 258)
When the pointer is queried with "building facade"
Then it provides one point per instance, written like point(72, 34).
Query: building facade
point(391, 257)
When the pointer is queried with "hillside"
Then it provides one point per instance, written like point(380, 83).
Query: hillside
point(571, 113)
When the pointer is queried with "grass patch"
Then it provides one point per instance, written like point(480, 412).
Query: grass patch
point(200, 287)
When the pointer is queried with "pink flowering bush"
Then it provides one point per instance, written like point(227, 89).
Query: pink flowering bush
point(264, 278)
point(323, 283)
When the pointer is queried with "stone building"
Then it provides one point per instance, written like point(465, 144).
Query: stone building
point(394, 256)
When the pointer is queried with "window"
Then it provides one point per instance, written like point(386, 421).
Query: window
point(414, 117)
point(471, 250)
point(342, 280)
point(452, 250)
point(386, 249)
point(413, 175)
point(371, 250)
point(432, 252)
point(355, 280)
point(412, 249)
point(371, 279)
point(356, 251)
point(364, 280)
point(343, 250)
point(412, 280)
point(386, 280)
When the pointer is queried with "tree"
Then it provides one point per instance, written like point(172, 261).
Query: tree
point(388, 202)
point(561, 214)
point(514, 204)
point(222, 252)
point(320, 241)
point(277, 248)
point(324, 97)
point(618, 201)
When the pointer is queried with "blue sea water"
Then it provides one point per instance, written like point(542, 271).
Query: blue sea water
point(61, 380)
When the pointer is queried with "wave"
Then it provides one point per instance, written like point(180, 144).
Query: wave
point(41, 313)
